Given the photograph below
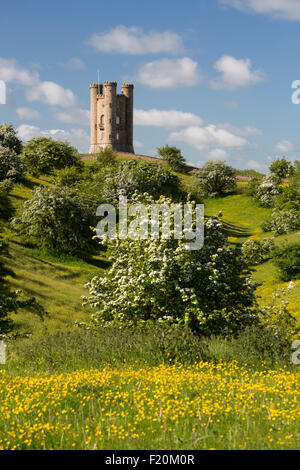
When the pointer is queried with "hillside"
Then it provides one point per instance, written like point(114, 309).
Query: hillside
point(58, 284)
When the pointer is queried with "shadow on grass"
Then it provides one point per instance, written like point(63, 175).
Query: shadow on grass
point(234, 230)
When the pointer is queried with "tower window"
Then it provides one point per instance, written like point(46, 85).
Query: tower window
point(118, 120)
point(118, 136)
point(102, 119)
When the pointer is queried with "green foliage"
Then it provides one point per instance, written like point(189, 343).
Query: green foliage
point(106, 157)
point(283, 222)
point(144, 177)
point(9, 139)
point(251, 173)
point(257, 251)
point(282, 168)
point(6, 208)
point(173, 157)
point(161, 281)
point(84, 349)
point(58, 219)
point(215, 178)
point(267, 190)
point(69, 176)
point(277, 317)
point(11, 166)
point(252, 186)
point(287, 259)
point(43, 155)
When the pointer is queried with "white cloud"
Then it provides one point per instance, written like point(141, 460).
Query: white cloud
point(53, 94)
point(206, 137)
point(11, 72)
point(35, 90)
point(77, 137)
point(217, 154)
point(244, 131)
point(165, 118)
point(284, 146)
point(169, 73)
point(278, 9)
point(132, 40)
point(74, 64)
point(74, 116)
point(254, 165)
point(28, 113)
point(235, 73)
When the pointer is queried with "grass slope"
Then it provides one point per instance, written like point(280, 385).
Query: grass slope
point(58, 284)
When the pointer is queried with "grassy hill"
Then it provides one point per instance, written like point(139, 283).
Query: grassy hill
point(58, 283)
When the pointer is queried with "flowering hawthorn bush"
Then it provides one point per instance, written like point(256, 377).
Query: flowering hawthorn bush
point(268, 190)
point(159, 280)
point(9, 138)
point(257, 251)
point(58, 219)
point(215, 178)
point(282, 222)
point(11, 166)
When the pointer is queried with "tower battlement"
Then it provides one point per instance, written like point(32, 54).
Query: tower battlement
point(111, 117)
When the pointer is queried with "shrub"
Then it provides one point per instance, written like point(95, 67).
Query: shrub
point(283, 222)
point(268, 190)
point(58, 219)
point(6, 208)
point(106, 157)
point(132, 176)
point(257, 251)
point(252, 186)
point(215, 178)
point(9, 139)
point(11, 166)
point(173, 157)
point(68, 176)
point(43, 155)
point(276, 316)
point(282, 168)
point(287, 259)
point(160, 281)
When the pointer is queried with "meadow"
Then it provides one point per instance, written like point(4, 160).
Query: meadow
point(201, 406)
point(61, 389)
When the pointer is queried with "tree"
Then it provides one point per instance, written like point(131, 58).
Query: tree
point(11, 166)
point(268, 190)
point(173, 157)
point(9, 139)
point(282, 168)
point(43, 155)
point(215, 178)
point(58, 219)
point(106, 157)
point(144, 177)
point(158, 280)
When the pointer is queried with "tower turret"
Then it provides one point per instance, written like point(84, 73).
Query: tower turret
point(127, 90)
point(111, 117)
point(93, 117)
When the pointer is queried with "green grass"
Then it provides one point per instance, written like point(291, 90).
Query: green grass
point(57, 282)
point(69, 389)
point(152, 389)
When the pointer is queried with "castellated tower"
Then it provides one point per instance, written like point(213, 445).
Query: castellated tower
point(111, 117)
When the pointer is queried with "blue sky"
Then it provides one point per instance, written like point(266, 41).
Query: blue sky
point(212, 77)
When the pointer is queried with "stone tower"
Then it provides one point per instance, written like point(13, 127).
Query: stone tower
point(111, 117)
